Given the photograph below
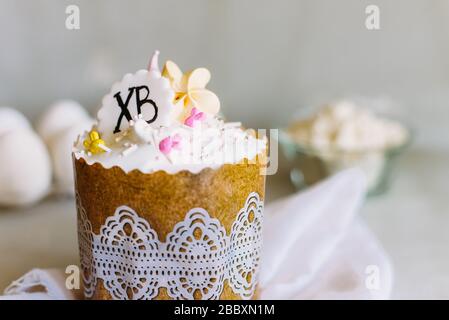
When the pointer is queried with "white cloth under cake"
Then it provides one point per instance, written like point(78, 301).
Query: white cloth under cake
point(315, 247)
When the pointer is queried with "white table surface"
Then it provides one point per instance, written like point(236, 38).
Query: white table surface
point(411, 221)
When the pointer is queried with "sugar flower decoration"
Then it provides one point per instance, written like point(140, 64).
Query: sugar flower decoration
point(190, 88)
point(94, 143)
point(195, 115)
point(169, 143)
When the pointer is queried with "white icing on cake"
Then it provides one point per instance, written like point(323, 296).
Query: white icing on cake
point(149, 143)
point(210, 145)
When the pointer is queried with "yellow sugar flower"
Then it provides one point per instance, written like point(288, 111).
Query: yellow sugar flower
point(190, 88)
point(94, 143)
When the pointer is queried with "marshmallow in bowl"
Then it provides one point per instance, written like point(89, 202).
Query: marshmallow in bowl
point(346, 127)
point(343, 135)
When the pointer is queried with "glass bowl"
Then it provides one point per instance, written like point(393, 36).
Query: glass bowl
point(311, 165)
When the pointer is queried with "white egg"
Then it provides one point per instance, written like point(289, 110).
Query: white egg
point(25, 168)
point(11, 119)
point(60, 116)
point(61, 153)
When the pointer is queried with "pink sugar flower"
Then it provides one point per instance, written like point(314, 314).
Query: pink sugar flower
point(195, 115)
point(168, 144)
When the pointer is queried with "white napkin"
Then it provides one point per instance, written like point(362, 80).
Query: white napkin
point(314, 248)
point(40, 284)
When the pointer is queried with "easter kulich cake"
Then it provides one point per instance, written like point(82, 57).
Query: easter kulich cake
point(169, 196)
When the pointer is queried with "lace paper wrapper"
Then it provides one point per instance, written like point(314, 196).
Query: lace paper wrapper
point(202, 240)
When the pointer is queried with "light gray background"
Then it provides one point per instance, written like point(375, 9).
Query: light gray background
point(267, 57)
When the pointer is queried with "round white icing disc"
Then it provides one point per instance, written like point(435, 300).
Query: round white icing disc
point(144, 93)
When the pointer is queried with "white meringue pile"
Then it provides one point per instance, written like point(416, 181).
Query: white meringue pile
point(343, 126)
point(35, 163)
point(343, 135)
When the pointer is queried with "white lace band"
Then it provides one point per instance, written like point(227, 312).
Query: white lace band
point(196, 258)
